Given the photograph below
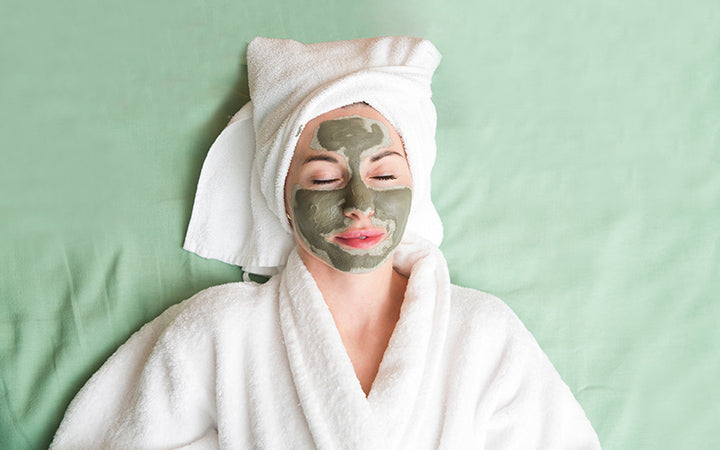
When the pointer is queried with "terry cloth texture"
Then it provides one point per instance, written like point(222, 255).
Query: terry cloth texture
point(239, 212)
point(244, 365)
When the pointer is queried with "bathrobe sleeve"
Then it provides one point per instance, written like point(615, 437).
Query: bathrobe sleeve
point(155, 391)
point(534, 408)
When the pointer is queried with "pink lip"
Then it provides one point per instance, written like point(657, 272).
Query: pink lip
point(362, 239)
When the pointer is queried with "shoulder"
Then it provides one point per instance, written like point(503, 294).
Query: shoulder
point(481, 309)
point(216, 301)
point(488, 328)
point(482, 321)
point(211, 311)
point(524, 395)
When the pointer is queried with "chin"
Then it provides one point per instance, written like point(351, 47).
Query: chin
point(356, 261)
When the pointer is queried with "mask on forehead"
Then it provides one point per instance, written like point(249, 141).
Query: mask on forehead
point(320, 215)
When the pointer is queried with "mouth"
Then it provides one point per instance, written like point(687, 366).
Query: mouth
point(360, 239)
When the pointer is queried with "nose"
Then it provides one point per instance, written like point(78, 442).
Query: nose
point(358, 200)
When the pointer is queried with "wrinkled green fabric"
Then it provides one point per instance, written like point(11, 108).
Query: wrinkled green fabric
point(578, 179)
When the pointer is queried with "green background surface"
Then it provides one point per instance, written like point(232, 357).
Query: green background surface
point(578, 178)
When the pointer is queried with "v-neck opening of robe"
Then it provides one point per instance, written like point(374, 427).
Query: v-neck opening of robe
point(339, 413)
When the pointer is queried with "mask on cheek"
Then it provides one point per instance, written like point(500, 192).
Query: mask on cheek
point(320, 214)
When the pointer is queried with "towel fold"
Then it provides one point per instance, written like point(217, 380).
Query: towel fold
point(239, 214)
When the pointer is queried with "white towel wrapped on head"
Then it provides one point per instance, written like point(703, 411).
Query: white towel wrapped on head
point(239, 214)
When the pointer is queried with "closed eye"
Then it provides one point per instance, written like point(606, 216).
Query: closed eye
point(384, 177)
point(327, 181)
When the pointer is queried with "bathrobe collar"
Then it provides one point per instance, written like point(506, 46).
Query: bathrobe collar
point(338, 413)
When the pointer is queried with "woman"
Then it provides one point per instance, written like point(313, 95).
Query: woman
point(360, 341)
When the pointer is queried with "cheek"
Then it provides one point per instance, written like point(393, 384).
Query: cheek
point(317, 212)
point(394, 204)
point(289, 183)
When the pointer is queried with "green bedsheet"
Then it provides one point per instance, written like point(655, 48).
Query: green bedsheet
point(578, 178)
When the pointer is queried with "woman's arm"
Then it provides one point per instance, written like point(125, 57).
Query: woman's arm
point(535, 409)
point(156, 390)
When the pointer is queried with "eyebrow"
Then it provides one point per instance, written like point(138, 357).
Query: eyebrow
point(384, 154)
point(321, 158)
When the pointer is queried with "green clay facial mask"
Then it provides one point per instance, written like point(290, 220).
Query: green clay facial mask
point(320, 213)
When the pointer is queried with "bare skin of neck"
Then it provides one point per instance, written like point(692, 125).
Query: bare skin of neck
point(365, 308)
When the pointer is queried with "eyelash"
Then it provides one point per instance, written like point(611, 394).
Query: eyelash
point(331, 181)
point(325, 181)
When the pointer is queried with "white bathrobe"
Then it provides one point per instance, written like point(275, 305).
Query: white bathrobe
point(244, 365)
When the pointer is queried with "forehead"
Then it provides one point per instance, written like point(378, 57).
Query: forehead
point(356, 125)
point(351, 135)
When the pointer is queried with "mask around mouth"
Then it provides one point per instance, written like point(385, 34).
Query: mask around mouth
point(320, 214)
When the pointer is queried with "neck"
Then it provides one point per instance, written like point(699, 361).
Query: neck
point(359, 299)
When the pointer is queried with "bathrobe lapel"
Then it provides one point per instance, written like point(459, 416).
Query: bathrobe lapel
point(337, 411)
point(331, 397)
point(410, 365)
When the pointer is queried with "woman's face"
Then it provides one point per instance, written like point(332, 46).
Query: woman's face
point(348, 191)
